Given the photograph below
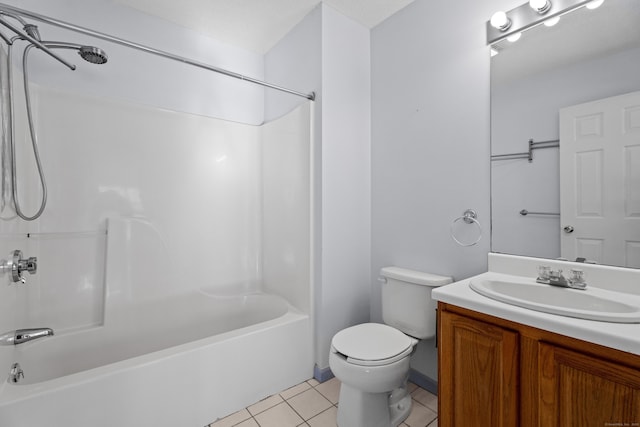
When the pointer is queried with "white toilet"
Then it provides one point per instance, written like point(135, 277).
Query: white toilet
point(372, 360)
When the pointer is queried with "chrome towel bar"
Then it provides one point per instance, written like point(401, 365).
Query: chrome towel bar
point(533, 145)
point(525, 212)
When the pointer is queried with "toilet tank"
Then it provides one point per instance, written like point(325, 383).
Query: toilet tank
point(406, 300)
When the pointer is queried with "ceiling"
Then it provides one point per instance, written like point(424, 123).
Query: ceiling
point(257, 25)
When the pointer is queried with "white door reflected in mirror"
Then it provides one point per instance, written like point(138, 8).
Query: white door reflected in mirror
point(600, 180)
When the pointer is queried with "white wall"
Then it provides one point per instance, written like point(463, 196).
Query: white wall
point(346, 188)
point(296, 62)
point(144, 78)
point(430, 141)
point(330, 53)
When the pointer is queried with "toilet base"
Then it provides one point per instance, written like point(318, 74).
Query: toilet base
point(399, 405)
point(358, 409)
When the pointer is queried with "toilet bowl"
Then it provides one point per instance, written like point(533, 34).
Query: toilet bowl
point(371, 360)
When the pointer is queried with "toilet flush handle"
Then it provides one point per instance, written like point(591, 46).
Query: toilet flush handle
point(382, 280)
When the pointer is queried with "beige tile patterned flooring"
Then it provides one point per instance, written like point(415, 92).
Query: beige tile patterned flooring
point(314, 404)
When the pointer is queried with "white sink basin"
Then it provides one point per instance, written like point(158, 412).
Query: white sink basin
point(592, 303)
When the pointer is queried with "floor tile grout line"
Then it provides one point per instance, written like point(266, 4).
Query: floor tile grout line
point(321, 412)
point(294, 410)
point(279, 394)
point(305, 421)
point(300, 415)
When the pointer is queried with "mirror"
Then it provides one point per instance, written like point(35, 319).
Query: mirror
point(579, 196)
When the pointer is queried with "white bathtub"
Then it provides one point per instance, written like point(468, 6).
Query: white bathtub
point(161, 355)
point(160, 369)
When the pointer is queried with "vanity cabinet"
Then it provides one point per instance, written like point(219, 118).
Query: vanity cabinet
point(478, 366)
point(496, 373)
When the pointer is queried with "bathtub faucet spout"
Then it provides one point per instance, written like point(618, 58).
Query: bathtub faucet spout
point(24, 335)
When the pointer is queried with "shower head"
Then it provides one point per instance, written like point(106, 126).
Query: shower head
point(33, 31)
point(93, 54)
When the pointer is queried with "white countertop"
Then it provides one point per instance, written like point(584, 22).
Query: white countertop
point(620, 336)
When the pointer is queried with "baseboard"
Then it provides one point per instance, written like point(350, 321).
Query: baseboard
point(423, 381)
point(322, 375)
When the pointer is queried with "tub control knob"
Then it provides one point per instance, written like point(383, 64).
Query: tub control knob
point(16, 265)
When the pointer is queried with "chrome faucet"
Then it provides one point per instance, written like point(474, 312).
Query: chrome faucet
point(16, 265)
point(548, 276)
point(15, 373)
point(24, 335)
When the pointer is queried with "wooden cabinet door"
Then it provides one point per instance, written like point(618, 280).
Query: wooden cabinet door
point(478, 365)
point(583, 391)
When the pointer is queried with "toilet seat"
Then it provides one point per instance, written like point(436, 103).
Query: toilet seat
point(372, 344)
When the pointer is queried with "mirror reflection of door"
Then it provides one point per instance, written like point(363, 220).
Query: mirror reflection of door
point(600, 180)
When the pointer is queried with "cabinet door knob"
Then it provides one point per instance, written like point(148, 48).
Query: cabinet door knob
point(568, 229)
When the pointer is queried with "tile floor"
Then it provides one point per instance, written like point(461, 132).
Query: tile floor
point(314, 404)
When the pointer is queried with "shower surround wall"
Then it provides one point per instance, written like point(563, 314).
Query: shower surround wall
point(218, 194)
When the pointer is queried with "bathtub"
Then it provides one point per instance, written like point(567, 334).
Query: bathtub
point(161, 355)
point(162, 371)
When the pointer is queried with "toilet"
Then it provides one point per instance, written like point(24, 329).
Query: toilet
point(371, 360)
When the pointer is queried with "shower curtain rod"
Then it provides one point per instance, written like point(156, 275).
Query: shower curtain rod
point(55, 22)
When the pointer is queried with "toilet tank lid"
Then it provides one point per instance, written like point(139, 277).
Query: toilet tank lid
point(417, 277)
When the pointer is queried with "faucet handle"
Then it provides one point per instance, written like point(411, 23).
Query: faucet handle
point(576, 281)
point(543, 272)
point(577, 275)
point(555, 274)
point(30, 264)
point(16, 265)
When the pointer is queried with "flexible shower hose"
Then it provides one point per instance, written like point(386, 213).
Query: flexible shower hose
point(32, 134)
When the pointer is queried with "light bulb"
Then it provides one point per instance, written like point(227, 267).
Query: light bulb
point(500, 21)
point(552, 21)
point(540, 6)
point(594, 4)
point(514, 37)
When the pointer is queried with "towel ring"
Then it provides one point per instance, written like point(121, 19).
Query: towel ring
point(470, 217)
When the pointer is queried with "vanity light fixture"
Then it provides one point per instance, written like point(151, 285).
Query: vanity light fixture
point(594, 4)
point(500, 21)
point(540, 6)
point(551, 22)
point(535, 12)
point(514, 37)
